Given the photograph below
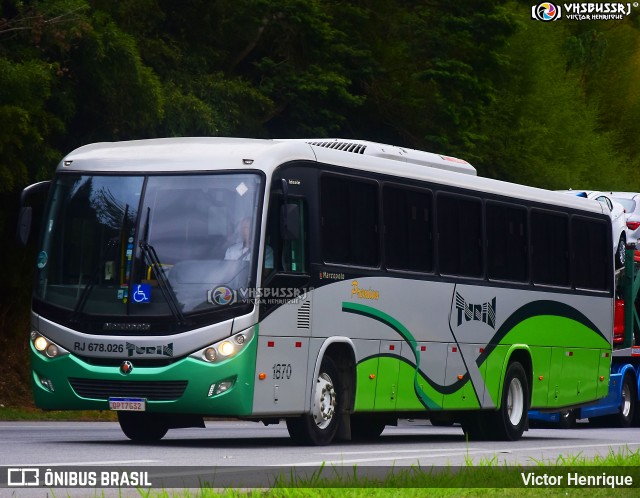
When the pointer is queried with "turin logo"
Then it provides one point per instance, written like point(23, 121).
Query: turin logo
point(467, 312)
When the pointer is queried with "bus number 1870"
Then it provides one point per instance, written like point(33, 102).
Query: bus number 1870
point(282, 371)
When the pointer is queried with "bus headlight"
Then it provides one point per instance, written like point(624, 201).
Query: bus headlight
point(210, 354)
point(226, 348)
point(45, 346)
point(40, 343)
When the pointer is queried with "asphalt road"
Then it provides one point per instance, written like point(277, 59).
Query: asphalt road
point(235, 447)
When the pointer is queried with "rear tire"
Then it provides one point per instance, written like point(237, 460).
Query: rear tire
point(143, 427)
point(320, 426)
point(366, 427)
point(439, 420)
point(567, 419)
point(510, 421)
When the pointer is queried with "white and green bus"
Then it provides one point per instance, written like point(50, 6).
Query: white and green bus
point(338, 285)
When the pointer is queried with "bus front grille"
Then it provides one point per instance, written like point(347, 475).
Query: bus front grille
point(168, 390)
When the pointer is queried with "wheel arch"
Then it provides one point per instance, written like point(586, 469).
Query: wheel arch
point(342, 351)
point(624, 370)
point(522, 354)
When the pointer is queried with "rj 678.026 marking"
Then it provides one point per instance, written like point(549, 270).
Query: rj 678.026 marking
point(98, 347)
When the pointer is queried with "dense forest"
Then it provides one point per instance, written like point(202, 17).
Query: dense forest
point(549, 104)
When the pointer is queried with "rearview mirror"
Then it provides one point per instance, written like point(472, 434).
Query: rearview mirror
point(290, 221)
point(24, 225)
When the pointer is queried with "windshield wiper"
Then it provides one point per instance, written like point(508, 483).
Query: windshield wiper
point(151, 259)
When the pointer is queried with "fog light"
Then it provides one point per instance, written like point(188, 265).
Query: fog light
point(40, 343)
point(226, 348)
point(240, 338)
point(52, 351)
point(223, 386)
point(210, 355)
point(46, 383)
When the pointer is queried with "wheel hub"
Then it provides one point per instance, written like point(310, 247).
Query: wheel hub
point(324, 401)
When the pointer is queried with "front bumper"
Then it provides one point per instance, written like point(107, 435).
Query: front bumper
point(69, 377)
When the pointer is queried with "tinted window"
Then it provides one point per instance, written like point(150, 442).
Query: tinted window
point(459, 235)
point(408, 221)
point(506, 242)
point(550, 248)
point(349, 221)
point(591, 253)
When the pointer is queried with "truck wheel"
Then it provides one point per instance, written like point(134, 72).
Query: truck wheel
point(320, 426)
point(628, 405)
point(143, 427)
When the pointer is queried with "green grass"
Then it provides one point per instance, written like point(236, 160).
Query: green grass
point(442, 481)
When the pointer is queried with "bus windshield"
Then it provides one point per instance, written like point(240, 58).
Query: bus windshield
point(148, 246)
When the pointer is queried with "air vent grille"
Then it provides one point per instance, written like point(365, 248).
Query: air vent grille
point(344, 146)
point(304, 316)
point(152, 390)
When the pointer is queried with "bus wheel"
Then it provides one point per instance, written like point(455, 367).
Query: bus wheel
point(320, 426)
point(366, 427)
point(509, 422)
point(567, 419)
point(143, 427)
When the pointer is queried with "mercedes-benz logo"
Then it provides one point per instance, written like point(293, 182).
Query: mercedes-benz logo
point(126, 367)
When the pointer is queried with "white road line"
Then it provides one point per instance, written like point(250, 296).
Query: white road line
point(84, 464)
point(444, 453)
point(496, 450)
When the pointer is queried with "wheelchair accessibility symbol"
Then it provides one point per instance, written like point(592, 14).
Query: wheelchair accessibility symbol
point(142, 293)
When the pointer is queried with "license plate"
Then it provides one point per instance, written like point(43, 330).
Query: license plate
point(128, 404)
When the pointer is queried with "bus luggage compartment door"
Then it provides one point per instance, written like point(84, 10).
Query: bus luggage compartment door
point(281, 375)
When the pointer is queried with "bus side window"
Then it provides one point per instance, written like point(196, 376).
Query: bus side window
point(281, 254)
point(294, 250)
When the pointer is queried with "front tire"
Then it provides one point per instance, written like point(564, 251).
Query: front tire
point(320, 426)
point(143, 427)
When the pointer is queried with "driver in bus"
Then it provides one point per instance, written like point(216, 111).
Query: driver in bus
point(242, 250)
